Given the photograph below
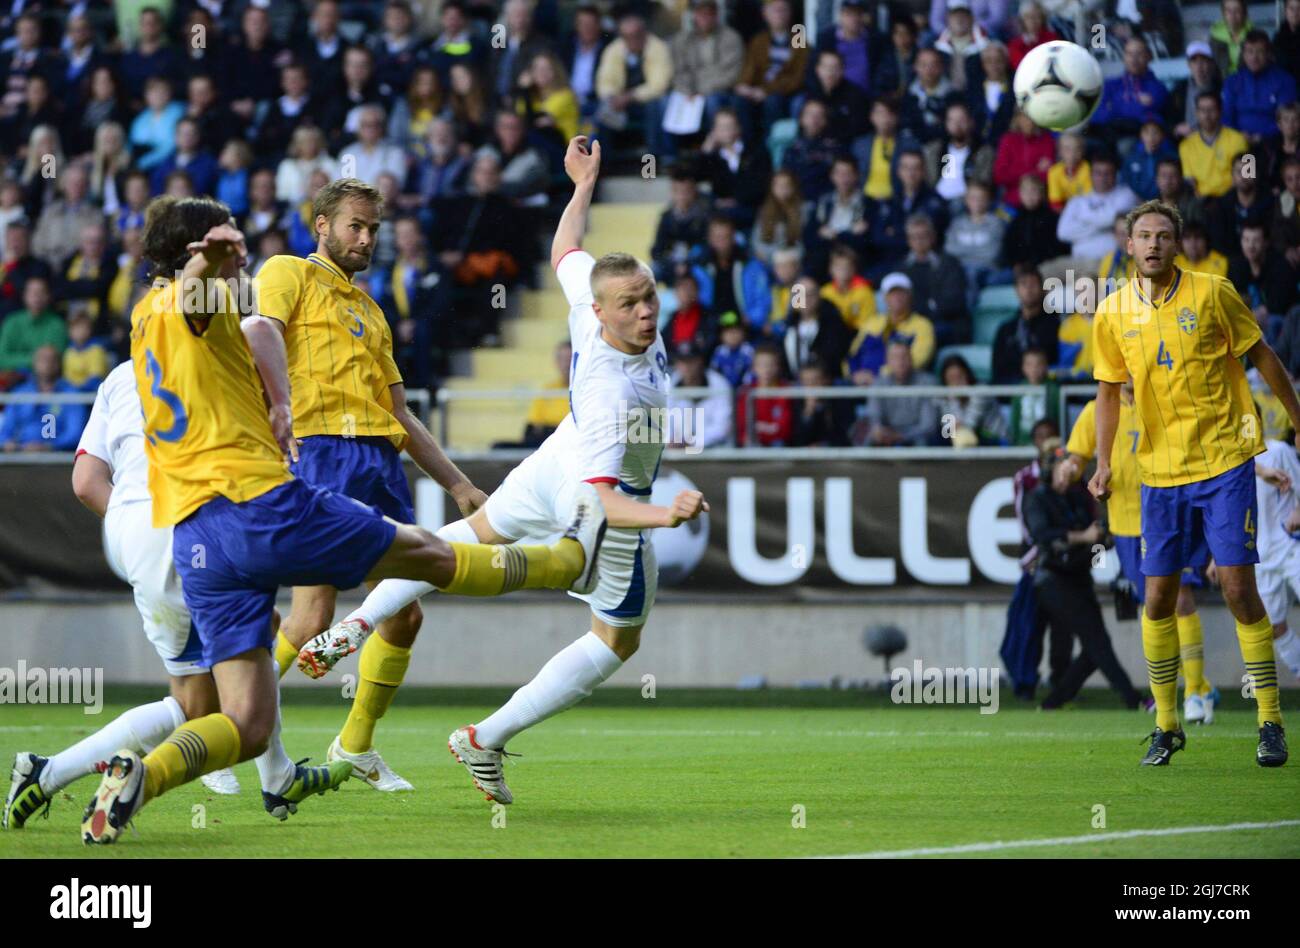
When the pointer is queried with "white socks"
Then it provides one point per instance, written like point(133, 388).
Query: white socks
point(393, 595)
point(1288, 649)
point(274, 767)
point(140, 729)
point(563, 681)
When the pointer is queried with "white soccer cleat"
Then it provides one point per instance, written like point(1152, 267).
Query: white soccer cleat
point(116, 800)
point(370, 767)
point(317, 657)
point(222, 781)
point(483, 764)
point(1194, 709)
point(588, 528)
point(1210, 700)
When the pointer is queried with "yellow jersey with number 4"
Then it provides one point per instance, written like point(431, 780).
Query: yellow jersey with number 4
point(205, 423)
point(339, 347)
point(1124, 508)
point(1183, 351)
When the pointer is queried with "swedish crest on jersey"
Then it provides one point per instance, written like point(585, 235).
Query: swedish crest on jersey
point(1187, 320)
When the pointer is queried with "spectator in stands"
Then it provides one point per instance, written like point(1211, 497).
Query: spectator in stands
point(1227, 36)
point(102, 105)
point(1172, 188)
point(25, 57)
point(322, 49)
point(19, 266)
point(153, 131)
point(1031, 328)
point(1286, 214)
point(1027, 409)
point(84, 278)
point(690, 323)
point(524, 173)
point(110, 160)
point(546, 412)
point(968, 420)
point(1286, 42)
point(992, 102)
point(59, 228)
point(1158, 22)
point(86, 361)
point(1263, 278)
point(812, 153)
point(264, 210)
point(975, 240)
point(867, 351)
point(737, 174)
point(1285, 146)
point(187, 156)
point(416, 110)
point(957, 156)
point(256, 59)
point(371, 154)
point(635, 73)
point(582, 54)
point(441, 173)
point(48, 426)
point(961, 42)
point(178, 184)
point(938, 283)
point(270, 243)
point(456, 43)
point(707, 59)
point(814, 327)
point(306, 154)
point(878, 151)
point(838, 217)
point(1134, 97)
point(1074, 359)
point(820, 422)
point(1031, 235)
point(772, 418)
point(546, 99)
point(894, 73)
point(886, 230)
point(1025, 149)
point(772, 73)
point(42, 157)
point(467, 103)
point(847, 290)
point(733, 357)
point(1071, 175)
point(1087, 223)
point(1203, 77)
point(1197, 255)
point(211, 57)
point(927, 97)
point(992, 16)
point(414, 297)
point(232, 184)
point(906, 421)
point(851, 40)
point(11, 206)
point(846, 104)
point(523, 43)
point(1251, 95)
point(149, 57)
point(202, 104)
point(728, 278)
point(1245, 203)
point(681, 226)
point(342, 118)
point(26, 330)
point(781, 219)
point(698, 421)
point(787, 264)
point(296, 108)
point(38, 108)
point(1117, 267)
point(1144, 156)
point(1033, 31)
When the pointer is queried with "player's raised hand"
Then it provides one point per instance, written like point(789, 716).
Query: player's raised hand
point(468, 498)
point(282, 428)
point(687, 505)
point(582, 160)
point(1274, 476)
point(1099, 485)
point(220, 244)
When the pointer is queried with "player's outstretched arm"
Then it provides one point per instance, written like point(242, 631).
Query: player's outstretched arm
point(1274, 373)
point(429, 456)
point(582, 165)
point(624, 512)
point(266, 342)
point(1107, 424)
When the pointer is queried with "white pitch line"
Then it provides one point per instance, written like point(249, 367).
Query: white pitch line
point(1060, 841)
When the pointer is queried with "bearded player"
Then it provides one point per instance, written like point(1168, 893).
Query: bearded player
point(1180, 336)
point(619, 363)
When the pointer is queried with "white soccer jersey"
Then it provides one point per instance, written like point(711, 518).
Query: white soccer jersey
point(1275, 544)
point(616, 400)
point(115, 435)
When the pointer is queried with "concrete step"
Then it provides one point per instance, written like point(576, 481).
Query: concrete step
point(476, 426)
point(635, 189)
point(511, 366)
point(536, 335)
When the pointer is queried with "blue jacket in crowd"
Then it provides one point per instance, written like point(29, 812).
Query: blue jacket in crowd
point(1250, 100)
point(25, 423)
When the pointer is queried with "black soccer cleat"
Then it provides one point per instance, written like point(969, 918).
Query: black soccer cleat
point(1271, 751)
point(1164, 745)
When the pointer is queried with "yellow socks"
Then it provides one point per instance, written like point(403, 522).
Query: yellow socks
point(483, 570)
point(1160, 646)
point(1257, 652)
point(195, 748)
point(383, 666)
point(286, 653)
point(1192, 650)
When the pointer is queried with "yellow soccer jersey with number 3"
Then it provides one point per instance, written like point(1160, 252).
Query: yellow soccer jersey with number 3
point(339, 347)
point(1183, 351)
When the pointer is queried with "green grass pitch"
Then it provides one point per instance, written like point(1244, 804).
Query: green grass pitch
point(717, 774)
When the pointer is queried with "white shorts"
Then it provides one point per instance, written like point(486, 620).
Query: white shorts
point(141, 555)
point(1279, 586)
point(534, 504)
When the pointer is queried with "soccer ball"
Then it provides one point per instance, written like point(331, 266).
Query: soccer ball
point(1058, 85)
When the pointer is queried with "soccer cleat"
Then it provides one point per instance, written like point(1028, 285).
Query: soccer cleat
point(1164, 745)
point(1193, 709)
point(306, 781)
point(588, 528)
point(483, 764)
point(120, 793)
point(25, 793)
point(336, 643)
point(221, 781)
point(1271, 751)
point(370, 767)
point(1211, 701)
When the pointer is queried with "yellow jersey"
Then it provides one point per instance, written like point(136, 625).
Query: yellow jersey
point(856, 302)
point(206, 428)
point(1124, 509)
point(1213, 262)
point(1074, 346)
point(1183, 351)
point(1061, 185)
point(1210, 166)
point(339, 347)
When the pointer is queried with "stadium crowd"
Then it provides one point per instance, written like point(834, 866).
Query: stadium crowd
point(862, 206)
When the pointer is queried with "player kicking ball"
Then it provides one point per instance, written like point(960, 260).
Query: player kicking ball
point(619, 363)
point(1180, 336)
point(244, 526)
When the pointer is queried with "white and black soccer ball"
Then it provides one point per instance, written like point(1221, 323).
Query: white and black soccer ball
point(1058, 85)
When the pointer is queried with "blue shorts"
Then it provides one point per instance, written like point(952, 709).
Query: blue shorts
point(1129, 551)
point(1183, 525)
point(232, 558)
point(365, 469)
